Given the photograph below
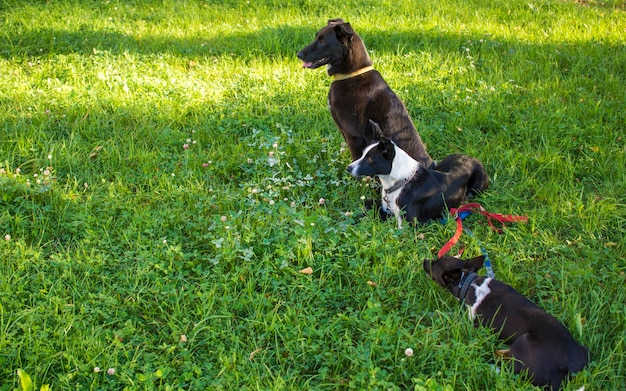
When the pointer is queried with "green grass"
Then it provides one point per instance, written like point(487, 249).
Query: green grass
point(115, 240)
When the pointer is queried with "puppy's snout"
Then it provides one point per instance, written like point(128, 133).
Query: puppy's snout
point(427, 266)
point(350, 168)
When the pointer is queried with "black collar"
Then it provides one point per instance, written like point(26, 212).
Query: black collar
point(465, 283)
point(402, 182)
point(398, 185)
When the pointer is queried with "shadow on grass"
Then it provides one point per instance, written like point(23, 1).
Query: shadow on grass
point(279, 41)
point(606, 59)
point(270, 42)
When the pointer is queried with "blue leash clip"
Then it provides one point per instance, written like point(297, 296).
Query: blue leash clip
point(487, 262)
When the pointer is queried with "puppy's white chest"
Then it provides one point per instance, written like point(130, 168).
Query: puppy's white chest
point(480, 292)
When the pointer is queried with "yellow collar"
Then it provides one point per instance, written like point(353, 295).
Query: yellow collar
point(344, 76)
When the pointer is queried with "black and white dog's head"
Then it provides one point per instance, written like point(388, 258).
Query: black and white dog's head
point(384, 159)
point(377, 159)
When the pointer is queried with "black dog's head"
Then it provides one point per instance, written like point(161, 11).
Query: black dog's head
point(377, 158)
point(331, 47)
point(447, 271)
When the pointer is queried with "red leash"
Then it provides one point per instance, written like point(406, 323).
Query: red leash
point(476, 207)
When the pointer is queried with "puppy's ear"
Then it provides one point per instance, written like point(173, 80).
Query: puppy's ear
point(475, 264)
point(428, 266)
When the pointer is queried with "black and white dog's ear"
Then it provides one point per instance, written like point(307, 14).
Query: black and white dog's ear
point(385, 143)
point(475, 264)
point(376, 128)
point(386, 147)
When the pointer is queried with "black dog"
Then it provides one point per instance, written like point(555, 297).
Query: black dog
point(420, 192)
point(537, 341)
point(359, 93)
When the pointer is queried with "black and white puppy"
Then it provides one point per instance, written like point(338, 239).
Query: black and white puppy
point(537, 341)
point(414, 191)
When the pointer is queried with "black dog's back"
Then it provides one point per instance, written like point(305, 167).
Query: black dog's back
point(354, 102)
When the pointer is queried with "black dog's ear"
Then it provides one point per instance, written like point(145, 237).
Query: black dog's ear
point(376, 128)
point(343, 32)
point(475, 264)
point(451, 277)
point(332, 22)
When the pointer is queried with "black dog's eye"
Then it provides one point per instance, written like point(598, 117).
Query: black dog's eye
point(320, 39)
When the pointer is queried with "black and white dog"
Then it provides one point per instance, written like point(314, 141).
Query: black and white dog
point(537, 341)
point(417, 192)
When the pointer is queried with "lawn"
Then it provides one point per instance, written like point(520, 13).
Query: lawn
point(168, 170)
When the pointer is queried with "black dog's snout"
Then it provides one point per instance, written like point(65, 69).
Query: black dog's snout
point(349, 169)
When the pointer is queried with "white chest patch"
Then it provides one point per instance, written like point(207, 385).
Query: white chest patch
point(390, 205)
point(480, 291)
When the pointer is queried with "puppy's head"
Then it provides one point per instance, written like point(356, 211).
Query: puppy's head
point(377, 159)
point(330, 45)
point(447, 271)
